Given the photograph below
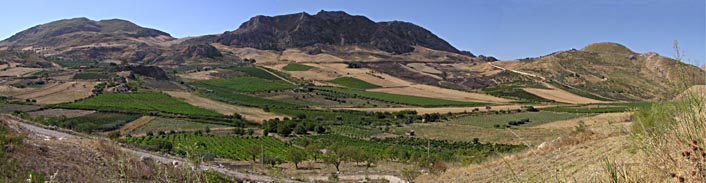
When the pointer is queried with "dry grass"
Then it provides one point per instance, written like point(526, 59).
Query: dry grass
point(249, 113)
point(459, 132)
point(590, 120)
point(442, 93)
point(18, 71)
point(561, 96)
point(60, 93)
point(202, 75)
point(569, 157)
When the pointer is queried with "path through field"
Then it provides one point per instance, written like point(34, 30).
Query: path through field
point(133, 125)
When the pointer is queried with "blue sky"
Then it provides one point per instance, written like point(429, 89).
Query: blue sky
point(507, 29)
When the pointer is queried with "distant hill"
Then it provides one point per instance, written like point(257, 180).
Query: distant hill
point(341, 36)
point(611, 70)
point(85, 39)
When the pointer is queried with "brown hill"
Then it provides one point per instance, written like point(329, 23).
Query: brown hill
point(611, 70)
point(85, 39)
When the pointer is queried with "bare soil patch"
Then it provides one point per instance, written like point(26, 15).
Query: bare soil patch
point(443, 93)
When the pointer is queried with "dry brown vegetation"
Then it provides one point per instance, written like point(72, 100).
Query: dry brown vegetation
point(53, 93)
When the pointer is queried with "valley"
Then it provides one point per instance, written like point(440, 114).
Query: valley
point(280, 100)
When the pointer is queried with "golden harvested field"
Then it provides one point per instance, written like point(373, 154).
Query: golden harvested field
point(59, 93)
point(19, 71)
point(561, 96)
point(249, 113)
point(443, 93)
point(201, 75)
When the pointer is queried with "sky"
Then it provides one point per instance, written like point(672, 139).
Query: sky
point(506, 29)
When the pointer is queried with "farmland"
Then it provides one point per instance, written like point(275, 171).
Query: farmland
point(169, 124)
point(255, 72)
point(92, 75)
point(99, 121)
point(144, 101)
point(249, 84)
point(220, 93)
point(535, 118)
point(401, 99)
point(223, 147)
point(296, 67)
point(353, 83)
point(600, 108)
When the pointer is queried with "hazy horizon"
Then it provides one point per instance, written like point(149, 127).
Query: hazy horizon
point(503, 29)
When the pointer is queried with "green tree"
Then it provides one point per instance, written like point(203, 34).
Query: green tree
point(296, 156)
point(253, 151)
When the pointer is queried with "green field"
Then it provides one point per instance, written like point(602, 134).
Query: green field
point(296, 67)
point(256, 72)
point(514, 92)
point(400, 99)
point(536, 118)
point(91, 75)
point(353, 83)
point(223, 94)
point(599, 108)
point(167, 124)
point(249, 84)
point(144, 101)
point(98, 121)
point(354, 131)
point(222, 146)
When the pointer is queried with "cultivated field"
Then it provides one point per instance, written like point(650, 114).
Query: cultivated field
point(561, 96)
point(168, 124)
point(60, 93)
point(133, 125)
point(144, 101)
point(18, 71)
point(535, 118)
point(69, 113)
point(249, 113)
point(201, 75)
point(428, 110)
point(443, 93)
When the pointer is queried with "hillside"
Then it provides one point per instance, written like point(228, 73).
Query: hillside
point(336, 35)
point(114, 39)
point(611, 71)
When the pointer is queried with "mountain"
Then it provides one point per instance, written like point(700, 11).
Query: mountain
point(610, 70)
point(115, 39)
point(338, 34)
